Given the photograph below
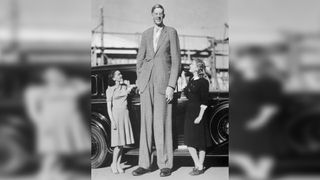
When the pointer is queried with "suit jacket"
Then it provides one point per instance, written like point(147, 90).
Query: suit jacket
point(165, 61)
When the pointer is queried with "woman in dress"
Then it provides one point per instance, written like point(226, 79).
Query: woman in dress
point(121, 130)
point(61, 131)
point(197, 92)
point(256, 103)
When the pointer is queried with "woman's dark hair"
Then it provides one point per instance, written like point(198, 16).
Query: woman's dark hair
point(157, 6)
point(111, 82)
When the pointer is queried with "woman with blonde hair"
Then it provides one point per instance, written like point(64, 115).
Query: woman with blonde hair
point(195, 136)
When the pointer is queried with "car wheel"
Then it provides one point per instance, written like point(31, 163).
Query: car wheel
point(303, 133)
point(100, 146)
point(13, 156)
point(219, 124)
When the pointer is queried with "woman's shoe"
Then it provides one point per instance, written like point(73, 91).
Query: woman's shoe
point(193, 169)
point(119, 168)
point(196, 172)
point(114, 169)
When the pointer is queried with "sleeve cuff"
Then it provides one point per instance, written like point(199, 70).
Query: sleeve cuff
point(203, 106)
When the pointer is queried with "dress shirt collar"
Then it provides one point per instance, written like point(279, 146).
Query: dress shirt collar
point(157, 28)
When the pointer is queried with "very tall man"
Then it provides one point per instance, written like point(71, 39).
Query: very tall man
point(158, 64)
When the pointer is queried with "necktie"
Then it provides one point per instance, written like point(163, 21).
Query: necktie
point(156, 39)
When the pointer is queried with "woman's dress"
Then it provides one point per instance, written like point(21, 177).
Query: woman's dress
point(195, 135)
point(123, 134)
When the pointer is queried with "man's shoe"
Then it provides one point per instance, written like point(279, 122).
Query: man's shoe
point(165, 172)
point(140, 171)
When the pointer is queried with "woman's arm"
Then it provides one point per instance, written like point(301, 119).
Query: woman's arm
point(32, 102)
point(264, 115)
point(184, 82)
point(113, 122)
point(204, 96)
point(202, 109)
point(109, 94)
point(129, 86)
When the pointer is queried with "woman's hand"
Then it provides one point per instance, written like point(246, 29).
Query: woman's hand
point(126, 82)
point(197, 120)
point(129, 86)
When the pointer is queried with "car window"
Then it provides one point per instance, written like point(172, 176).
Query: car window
point(129, 75)
point(101, 85)
point(94, 89)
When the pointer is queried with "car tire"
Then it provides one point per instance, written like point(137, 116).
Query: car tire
point(219, 124)
point(101, 152)
point(303, 133)
point(13, 155)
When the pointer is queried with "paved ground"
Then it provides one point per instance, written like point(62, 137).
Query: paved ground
point(219, 173)
point(217, 168)
point(289, 177)
point(34, 177)
point(214, 173)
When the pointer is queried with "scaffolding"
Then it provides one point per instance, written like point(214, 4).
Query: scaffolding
point(122, 48)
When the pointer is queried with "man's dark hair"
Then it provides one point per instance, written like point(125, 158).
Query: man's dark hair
point(157, 6)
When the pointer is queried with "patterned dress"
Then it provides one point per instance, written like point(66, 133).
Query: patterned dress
point(123, 135)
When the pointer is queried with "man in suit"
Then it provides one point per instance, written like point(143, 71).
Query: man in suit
point(158, 64)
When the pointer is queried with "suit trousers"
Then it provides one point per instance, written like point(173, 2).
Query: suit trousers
point(156, 120)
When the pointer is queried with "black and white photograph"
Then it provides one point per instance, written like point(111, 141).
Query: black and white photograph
point(159, 89)
point(44, 90)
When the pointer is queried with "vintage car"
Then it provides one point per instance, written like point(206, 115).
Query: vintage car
point(218, 124)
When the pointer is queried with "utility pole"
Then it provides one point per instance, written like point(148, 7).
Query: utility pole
point(11, 51)
point(101, 35)
point(14, 24)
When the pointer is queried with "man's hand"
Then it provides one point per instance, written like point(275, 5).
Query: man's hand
point(197, 120)
point(169, 94)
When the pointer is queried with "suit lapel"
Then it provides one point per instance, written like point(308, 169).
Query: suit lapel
point(161, 38)
point(151, 41)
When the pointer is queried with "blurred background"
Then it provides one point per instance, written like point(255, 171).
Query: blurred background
point(278, 42)
point(44, 62)
point(37, 34)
